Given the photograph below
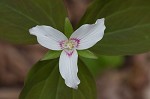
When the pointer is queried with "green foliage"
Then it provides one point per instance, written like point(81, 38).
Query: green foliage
point(68, 28)
point(45, 82)
point(51, 55)
point(127, 26)
point(98, 66)
point(18, 16)
point(87, 54)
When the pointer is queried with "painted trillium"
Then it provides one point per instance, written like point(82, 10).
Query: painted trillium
point(83, 38)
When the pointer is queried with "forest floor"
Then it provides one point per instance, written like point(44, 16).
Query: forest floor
point(9, 93)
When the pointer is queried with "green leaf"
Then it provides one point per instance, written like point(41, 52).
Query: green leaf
point(127, 26)
point(18, 16)
point(45, 82)
point(87, 54)
point(51, 55)
point(68, 28)
point(99, 65)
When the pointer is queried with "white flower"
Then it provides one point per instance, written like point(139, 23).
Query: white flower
point(83, 38)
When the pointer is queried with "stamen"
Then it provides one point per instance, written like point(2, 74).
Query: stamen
point(69, 44)
point(76, 41)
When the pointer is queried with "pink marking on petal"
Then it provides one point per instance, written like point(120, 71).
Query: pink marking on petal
point(61, 43)
point(69, 53)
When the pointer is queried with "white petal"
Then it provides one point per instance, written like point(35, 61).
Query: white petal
point(48, 36)
point(68, 68)
point(89, 34)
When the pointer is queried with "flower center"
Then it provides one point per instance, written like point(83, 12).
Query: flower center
point(69, 45)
